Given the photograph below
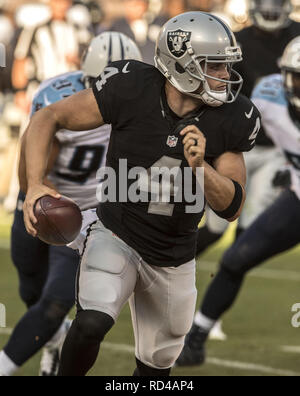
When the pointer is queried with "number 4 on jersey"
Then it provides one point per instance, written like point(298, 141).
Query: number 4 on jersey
point(105, 75)
point(108, 73)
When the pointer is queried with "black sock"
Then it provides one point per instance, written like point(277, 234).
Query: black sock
point(82, 344)
point(145, 371)
point(221, 294)
point(205, 239)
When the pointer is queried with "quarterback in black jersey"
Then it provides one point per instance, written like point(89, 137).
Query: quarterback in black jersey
point(184, 114)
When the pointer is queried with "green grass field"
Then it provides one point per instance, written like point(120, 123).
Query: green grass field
point(258, 327)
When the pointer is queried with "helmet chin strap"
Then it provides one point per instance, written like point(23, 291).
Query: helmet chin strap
point(208, 97)
point(213, 98)
point(217, 100)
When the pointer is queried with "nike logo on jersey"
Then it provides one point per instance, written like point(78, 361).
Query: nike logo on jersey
point(125, 71)
point(250, 114)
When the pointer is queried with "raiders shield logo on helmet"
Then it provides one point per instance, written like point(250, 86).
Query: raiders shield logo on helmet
point(177, 42)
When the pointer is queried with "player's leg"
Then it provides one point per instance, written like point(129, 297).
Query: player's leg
point(274, 232)
point(211, 232)
point(30, 257)
point(162, 309)
point(43, 320)
point(49, 295)
point(57, 300)
point(105, 281)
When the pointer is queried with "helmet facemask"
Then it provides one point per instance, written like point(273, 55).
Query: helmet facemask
point(290, 69)
point(197, 69)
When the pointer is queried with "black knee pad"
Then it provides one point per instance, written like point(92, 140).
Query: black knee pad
point(145, 371)
point(93, 325)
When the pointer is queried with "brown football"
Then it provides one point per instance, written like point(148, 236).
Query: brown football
point(58, 220)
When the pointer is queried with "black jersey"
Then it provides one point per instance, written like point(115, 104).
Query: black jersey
point(261, 53)
point(131, 97)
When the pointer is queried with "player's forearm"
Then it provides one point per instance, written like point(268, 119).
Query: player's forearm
point(39, 138)
point(220, 191)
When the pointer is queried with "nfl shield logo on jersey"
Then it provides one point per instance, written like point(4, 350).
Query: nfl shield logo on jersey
point(177, 42)
point(172, 141)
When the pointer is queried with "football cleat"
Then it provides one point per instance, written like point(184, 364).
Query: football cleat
point(193, 352)
point(51, 354)
point(49, 363)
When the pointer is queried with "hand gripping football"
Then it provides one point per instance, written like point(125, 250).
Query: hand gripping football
point(59, 221)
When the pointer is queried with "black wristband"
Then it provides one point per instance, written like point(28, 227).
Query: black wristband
point(235, 205)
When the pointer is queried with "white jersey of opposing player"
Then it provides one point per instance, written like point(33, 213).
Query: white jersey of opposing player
point(81, 153)
point(269, 97)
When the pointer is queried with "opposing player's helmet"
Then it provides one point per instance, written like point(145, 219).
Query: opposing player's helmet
point(270, 15)
point(290, 67)
point(106, 48)
point(185, 46)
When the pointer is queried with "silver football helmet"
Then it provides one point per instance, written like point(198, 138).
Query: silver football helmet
point(270, 15)
point(290, 65)
point(106, 48)
point(184, 48)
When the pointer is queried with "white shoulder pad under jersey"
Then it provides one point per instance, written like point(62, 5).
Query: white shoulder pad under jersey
point(269, 97)
point(81, 153)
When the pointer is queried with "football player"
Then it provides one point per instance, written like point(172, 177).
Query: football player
point(277, 229)
point(47, 273)
point(183, 115)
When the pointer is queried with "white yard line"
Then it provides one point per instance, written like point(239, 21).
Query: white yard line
point(212, 361)
point(210, 266)
point(252, 367)
point(290, 349)
point(217, 362)
point(5, 331)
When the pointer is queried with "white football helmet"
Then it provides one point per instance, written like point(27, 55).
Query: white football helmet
point(106, 48)
point(290, 65)
point(270, 15)
point(185, 46)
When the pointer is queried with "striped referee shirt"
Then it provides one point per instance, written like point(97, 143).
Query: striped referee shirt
point(47, 47)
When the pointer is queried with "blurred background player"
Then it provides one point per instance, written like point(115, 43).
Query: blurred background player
point(135, 25)
point(50, 43)
point(47, 273)
point(276, 230)
point(95, 12)
point(262, 44)
point(45, 51)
